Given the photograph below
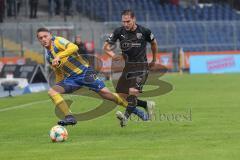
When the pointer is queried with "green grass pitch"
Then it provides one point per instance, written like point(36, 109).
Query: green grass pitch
point(213, 132)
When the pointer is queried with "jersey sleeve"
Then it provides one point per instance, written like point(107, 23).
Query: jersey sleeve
point(113, 37)
point(149, 35)
point(65, 47)
point(61, 43)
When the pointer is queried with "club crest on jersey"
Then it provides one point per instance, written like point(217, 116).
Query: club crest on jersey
point(122, 36)
point(139, 35)
point(63, 41)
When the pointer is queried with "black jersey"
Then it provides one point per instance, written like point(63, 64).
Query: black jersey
point(133, 43)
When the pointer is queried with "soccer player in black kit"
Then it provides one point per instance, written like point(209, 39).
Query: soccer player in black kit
point(133, 41)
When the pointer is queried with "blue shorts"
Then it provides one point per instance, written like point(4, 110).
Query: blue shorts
point(87, 78)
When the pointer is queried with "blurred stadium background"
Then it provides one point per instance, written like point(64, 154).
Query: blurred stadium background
point(183, 28)
point(199, 119)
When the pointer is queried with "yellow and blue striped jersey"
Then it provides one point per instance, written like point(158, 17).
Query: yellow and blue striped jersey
point(71, 63)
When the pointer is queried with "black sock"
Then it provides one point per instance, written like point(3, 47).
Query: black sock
point(129, 111)
point(141, 103)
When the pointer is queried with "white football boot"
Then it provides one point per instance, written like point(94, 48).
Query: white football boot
point(122, 118)
point(150, 109)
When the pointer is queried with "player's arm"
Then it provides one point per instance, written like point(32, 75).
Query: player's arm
point(70, 49)
point(108, 50)
point(66, 48)
point(154, 48)
point(110, 43)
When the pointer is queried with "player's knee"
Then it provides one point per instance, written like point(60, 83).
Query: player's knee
point(133, 91)
point(123, 95)
point(56, 90)
point(52, 92)
point(104, 91)
point(132, 100)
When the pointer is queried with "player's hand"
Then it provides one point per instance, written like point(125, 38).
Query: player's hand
point(117, 57)
point(152, 64)
point(56, 61)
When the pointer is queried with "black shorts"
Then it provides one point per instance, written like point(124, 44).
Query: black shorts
point(133, 76)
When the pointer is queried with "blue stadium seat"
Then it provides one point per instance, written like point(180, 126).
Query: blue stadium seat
point(152, 10)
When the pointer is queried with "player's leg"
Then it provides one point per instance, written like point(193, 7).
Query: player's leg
point(115, 97)
point(142, 103)
point(131, 108)
point(130, 94)
point(91, 80)
point(65, 86)
point(129, 104)
point(94, 83)
point(149, 106)
point(132, 101)
point(55, 94)
point(122, 89)
point(123, 95)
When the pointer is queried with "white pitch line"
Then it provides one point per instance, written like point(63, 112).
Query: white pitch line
point(23, 105)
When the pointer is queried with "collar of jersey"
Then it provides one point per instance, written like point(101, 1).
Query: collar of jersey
point(132, 31)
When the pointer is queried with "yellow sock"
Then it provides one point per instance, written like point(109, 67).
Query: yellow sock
point(61, 104)
point(121, 101)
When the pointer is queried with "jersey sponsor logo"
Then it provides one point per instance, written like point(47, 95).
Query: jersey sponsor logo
point(136, 44)
point(127, 45)
point(139, 35)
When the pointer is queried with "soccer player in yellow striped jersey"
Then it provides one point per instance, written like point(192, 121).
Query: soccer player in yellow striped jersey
point(72, 72)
